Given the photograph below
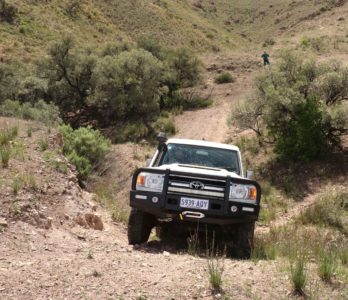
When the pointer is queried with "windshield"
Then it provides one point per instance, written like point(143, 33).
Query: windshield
point(201, 156)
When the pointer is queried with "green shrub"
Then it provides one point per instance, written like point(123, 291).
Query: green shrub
point(43, 144)
point(132, 132)
point(298, 275)
point(69, 75)
point(330, 209)
point(298, 106)
point(327, 265)
point(186, 66)
point(225, 77)
point(7, 135)
point(193, 243)
point(17, 184)
point(84, 147)
point(263, 248)
point(5, 154)
point(343, 254)
point(128, 85)
point(46, 113)
point(303, 137)
point(29, 131)
point(165, 125)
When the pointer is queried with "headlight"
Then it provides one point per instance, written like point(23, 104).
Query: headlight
point(150, 182)
point(243, 192)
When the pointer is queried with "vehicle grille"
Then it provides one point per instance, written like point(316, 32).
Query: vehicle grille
point(213, 188)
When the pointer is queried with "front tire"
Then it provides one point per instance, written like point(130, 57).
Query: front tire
point(140, 225)
point(245, 240)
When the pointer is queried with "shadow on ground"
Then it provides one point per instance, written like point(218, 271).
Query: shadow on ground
point(298, 179)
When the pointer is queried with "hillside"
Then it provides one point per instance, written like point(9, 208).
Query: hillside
point(198, 24)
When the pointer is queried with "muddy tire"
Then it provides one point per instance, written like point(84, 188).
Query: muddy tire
point(244, 240)
point(140, 225)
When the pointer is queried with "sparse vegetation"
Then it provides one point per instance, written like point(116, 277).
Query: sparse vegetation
point(23, 180)
point(85, 148)
point(7, 136)
point(215, 270)
point(225, 77)
point(43, 144)
point(330, 209)
point(215, 266)
point(5, 154)
point(327, 265)
point(193, 243)
point(29, 131)
point(298, 107)
point(299, 275)
point(165, 125)
point(17, 185)
point(264, 248)
point(46, 113)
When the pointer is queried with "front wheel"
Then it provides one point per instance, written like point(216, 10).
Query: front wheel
point(245, 240)
point(140, 225)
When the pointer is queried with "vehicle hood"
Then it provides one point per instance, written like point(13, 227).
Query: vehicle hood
point(198, 170)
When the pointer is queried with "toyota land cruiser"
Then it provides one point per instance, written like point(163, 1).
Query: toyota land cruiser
point(189, 183)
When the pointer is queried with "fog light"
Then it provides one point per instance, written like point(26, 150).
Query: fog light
point(154, 199)
point(234, 208)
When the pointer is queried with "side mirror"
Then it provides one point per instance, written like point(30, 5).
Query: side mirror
point(249, 174)
point(148, 162)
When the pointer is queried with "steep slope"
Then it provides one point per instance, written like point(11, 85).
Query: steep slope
point(198, 24)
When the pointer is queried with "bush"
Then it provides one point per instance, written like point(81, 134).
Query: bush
point(46, 113)
point(268, 42)
point(303, 137)
point(8, 13)
point(298, 275)
point(5, 155)
point(128, 85)
point(132, 132)
point(330, 209)
point(263, 248)
point(225, 77)
point(165, 125)
point(85, 148)
point(327, 265)
point(187, 67)
point(299, 107)
point(69, 75)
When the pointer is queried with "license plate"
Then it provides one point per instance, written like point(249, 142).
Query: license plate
point(194, 203)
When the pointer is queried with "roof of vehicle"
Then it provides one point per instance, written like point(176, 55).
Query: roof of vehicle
point(203, 144)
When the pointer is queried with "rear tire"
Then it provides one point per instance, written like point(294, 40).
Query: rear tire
point(140, 225)
point(245, 240)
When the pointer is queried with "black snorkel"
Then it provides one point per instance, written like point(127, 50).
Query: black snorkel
point(162, 139)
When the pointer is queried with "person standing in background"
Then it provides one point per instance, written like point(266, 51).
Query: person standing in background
point(265, 57)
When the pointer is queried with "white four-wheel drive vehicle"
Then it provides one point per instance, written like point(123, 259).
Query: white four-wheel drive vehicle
point(195, 184)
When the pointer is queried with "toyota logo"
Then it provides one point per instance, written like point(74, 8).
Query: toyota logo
point(196, 185)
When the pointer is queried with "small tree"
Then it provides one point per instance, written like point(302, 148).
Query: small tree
point(69, 75)
point(128, 86)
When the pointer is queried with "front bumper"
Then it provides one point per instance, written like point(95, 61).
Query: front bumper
point(220, 211)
